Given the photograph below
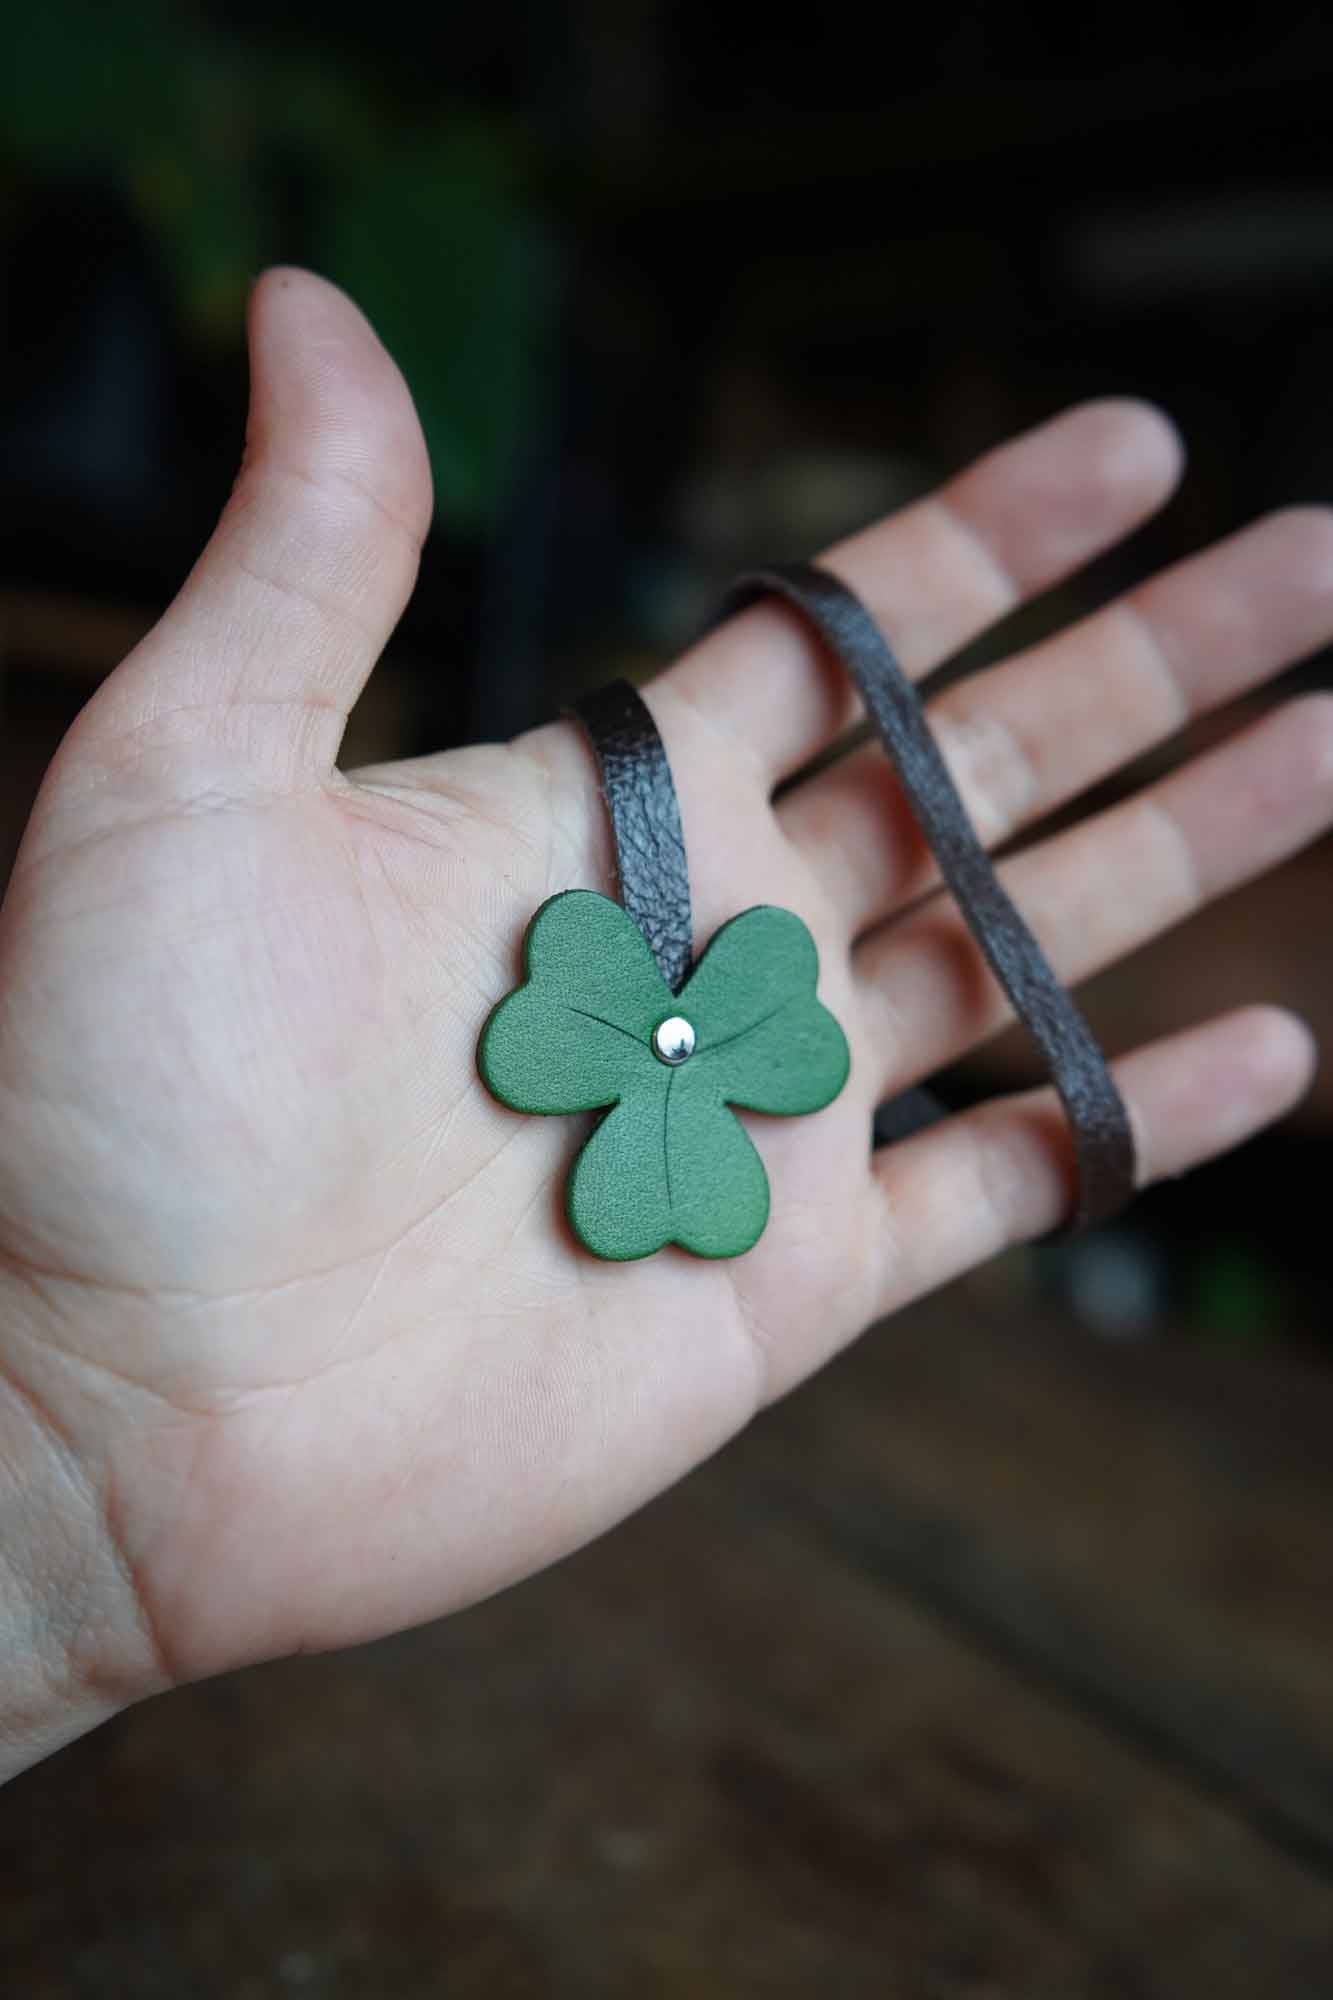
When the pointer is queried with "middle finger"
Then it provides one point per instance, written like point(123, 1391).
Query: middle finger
point(1029, 735)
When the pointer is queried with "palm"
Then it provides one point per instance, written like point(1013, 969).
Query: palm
point(287, 1011)
point(303, 1291)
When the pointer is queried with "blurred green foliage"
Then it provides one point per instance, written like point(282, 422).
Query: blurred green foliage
point(237, 148)
point(1236, 1298)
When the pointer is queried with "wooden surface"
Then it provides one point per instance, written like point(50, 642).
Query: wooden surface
point(995, 1662)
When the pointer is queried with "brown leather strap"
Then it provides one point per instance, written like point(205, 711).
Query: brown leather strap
point(645, 822)
point(1103, 1140)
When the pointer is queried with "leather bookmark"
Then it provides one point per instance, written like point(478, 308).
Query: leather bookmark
point(614, 1016)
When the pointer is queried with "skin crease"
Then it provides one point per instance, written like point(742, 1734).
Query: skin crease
point(296, 1347)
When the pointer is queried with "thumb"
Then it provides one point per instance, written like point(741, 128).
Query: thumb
point(276, 629)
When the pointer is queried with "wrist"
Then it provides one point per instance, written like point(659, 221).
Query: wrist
point(73, 1650)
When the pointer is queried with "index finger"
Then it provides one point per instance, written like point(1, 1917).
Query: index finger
point(934, 576)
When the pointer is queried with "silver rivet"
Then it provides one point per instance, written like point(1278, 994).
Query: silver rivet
point(673, 1040)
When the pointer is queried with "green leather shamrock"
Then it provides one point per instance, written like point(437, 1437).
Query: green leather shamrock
point(595, 1025)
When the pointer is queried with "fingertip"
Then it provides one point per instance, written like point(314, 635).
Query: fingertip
point(286, 278)
point(1282, 1056)
point(1201, 1092)
point(1311, 718)
point(322, 378)
point(1305, 532)
point(1133, 445)
point(274, 290)
point(1050, 501)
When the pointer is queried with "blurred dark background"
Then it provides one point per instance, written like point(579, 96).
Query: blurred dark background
point(677, 288)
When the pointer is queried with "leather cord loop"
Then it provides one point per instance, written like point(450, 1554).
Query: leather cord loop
point(1099, 1123)
point(645, 822)
point(655, 888)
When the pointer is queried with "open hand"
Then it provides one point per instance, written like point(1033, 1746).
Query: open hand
point(290, 1315)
